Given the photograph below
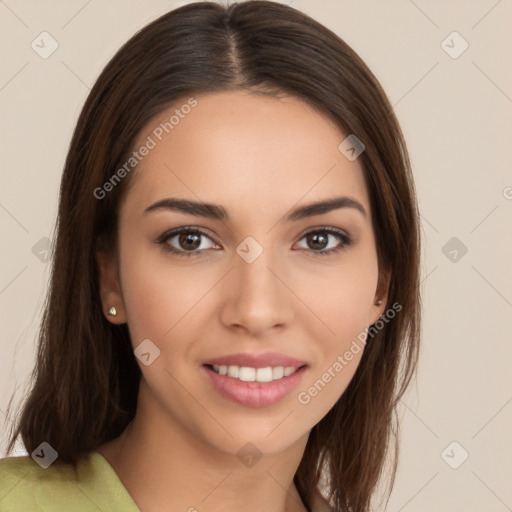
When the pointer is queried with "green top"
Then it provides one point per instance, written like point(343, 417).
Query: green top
point(27, 487)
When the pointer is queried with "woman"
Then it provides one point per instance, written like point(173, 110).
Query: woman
point(234, 303)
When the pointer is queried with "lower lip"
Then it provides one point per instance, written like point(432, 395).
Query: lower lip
point(254, 394)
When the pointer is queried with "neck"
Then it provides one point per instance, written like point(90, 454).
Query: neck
point(163, 464)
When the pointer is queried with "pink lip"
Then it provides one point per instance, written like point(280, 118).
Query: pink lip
point(254, 394)
point(256, 360)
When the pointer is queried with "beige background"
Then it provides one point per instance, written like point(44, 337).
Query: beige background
point(456, 114)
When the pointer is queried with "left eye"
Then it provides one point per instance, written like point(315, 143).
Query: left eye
point(321, 237)
point(190, 244)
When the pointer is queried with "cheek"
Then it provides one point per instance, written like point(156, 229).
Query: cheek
point(339, 303)
point(149, 292)
point(161, 298)
point(339, 298)
point(145, 301)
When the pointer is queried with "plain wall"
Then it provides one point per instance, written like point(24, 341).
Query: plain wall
point(456, 114)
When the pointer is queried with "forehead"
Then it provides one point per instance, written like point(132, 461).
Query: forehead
point(244, 150)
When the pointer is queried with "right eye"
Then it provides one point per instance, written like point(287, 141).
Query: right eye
point(184, 241)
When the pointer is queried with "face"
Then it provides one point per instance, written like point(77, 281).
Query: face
point(251, 277)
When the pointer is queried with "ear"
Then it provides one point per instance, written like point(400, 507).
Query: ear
point(381, 294)
point(110, 289)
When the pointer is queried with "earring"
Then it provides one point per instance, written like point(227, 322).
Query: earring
point(378, 303)
point(112, 311)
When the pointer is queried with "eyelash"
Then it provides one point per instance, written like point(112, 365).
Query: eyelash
point(164, 238)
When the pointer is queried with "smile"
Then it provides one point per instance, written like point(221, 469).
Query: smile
point(250, 374)
point(254, 387)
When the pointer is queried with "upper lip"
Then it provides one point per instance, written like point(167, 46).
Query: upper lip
point(256, 360)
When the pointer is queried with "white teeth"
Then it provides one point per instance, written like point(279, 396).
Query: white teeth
point(289, 370)
point(249, 374)
point(264, 374)
point(233, 371)
point(278, 372)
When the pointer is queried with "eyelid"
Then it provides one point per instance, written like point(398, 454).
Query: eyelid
point(345, 239)
point(314, 229)
point(171, 233)
point(176, 231)
point(343, 236)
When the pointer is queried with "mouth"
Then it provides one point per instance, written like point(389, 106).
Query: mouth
point(254, 387)
point(250, 374)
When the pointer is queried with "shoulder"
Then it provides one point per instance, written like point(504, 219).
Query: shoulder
point(26, 486)
point(21, 477)
point(17, 468)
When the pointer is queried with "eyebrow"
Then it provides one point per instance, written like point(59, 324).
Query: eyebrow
point(217, 212)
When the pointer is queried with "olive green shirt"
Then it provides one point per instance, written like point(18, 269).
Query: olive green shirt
point(26, 487)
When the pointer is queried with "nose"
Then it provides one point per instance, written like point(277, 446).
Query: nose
point(258, 297)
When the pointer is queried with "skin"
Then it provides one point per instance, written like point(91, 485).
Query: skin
point(259, 157)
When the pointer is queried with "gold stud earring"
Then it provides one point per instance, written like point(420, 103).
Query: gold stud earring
point(112, 311)
point(378, 303)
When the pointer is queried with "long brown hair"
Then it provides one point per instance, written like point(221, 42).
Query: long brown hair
point(86, 378)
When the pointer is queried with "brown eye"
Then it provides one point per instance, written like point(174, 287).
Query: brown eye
point(185, 241)
point(189, 241)
point(317, 241)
